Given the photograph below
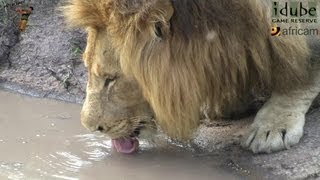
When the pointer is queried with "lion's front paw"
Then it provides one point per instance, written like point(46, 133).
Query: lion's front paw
point(270, 136)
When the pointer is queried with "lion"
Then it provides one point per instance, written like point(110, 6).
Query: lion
point(155, 63)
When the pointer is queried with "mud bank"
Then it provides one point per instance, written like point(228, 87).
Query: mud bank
point(44, 61)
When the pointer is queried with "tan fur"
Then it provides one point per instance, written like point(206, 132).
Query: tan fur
point(209, 51)
point(113, 101)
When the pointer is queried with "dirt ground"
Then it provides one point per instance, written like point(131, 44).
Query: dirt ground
point(45, 60)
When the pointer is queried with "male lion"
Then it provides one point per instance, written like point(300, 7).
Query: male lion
point(170, 57)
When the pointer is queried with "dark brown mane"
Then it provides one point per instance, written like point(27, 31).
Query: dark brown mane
point(211, 51)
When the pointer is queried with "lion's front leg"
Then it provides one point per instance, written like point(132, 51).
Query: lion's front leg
point(279, 123)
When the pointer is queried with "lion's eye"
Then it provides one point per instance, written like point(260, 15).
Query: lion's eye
point(158, 29)
point(108, 81)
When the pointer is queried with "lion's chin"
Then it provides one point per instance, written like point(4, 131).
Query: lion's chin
point(126, 145)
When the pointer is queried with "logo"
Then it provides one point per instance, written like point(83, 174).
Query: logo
point(294, 12)
point(275, 31)
point(299, 16)
point(296, 9)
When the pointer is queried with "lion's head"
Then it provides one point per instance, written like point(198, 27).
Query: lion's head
point(178, 55)
point(114, 104)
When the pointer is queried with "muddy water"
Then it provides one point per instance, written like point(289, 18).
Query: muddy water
point(43, 139)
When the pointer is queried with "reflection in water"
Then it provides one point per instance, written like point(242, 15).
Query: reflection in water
point(63, 177)
point(96, 146)
point(90, 148)
point(67, 164)
point(12, 170)
point(72, 162)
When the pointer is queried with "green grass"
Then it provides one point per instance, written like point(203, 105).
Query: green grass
point(7, 3)
point(3, 3)
point(6, 8)
point(3, 12)
point(76, 50)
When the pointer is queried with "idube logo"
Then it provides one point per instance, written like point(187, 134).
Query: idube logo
point(294, 12)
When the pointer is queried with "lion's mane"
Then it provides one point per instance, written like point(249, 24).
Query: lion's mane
point(209, 51)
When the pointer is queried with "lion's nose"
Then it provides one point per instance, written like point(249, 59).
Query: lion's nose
point(100, 128)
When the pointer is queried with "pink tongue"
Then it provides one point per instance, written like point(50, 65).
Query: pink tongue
point(126, 145)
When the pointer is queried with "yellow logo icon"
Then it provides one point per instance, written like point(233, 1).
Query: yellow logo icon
point(275, 31)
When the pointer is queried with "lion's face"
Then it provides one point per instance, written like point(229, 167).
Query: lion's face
point(114, 104)
point(136, 38)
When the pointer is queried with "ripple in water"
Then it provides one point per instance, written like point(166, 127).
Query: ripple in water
point(71, 162)
point(67, 161)
point(12, 170)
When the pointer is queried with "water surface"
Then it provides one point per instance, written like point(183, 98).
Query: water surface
point(43, 139)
